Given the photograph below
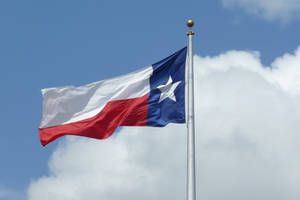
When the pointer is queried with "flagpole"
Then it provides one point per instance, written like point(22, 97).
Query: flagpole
point(191, 176)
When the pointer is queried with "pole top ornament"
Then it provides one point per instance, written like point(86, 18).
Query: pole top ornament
point(190, 23)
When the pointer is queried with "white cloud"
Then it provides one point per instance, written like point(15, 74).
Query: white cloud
point(283, 10)
point(248, 142)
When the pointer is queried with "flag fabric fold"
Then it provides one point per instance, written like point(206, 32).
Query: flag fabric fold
point(153, 96)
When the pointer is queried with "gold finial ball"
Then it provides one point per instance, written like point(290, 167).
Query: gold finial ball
point(190, 23)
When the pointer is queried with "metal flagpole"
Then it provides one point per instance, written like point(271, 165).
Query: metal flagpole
point(191, 176)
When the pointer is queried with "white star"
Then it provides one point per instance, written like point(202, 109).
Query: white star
point(167, 90)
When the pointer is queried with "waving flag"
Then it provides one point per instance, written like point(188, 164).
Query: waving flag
point(153, 96)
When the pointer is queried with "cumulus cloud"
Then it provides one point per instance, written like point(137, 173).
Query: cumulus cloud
point(247, 137)
point(283, 10)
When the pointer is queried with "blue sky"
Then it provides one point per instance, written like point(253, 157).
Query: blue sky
point(56, 43)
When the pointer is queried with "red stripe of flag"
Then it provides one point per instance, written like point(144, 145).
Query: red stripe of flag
point(128, 112)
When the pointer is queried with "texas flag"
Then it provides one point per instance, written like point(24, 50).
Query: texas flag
point(153, 96)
